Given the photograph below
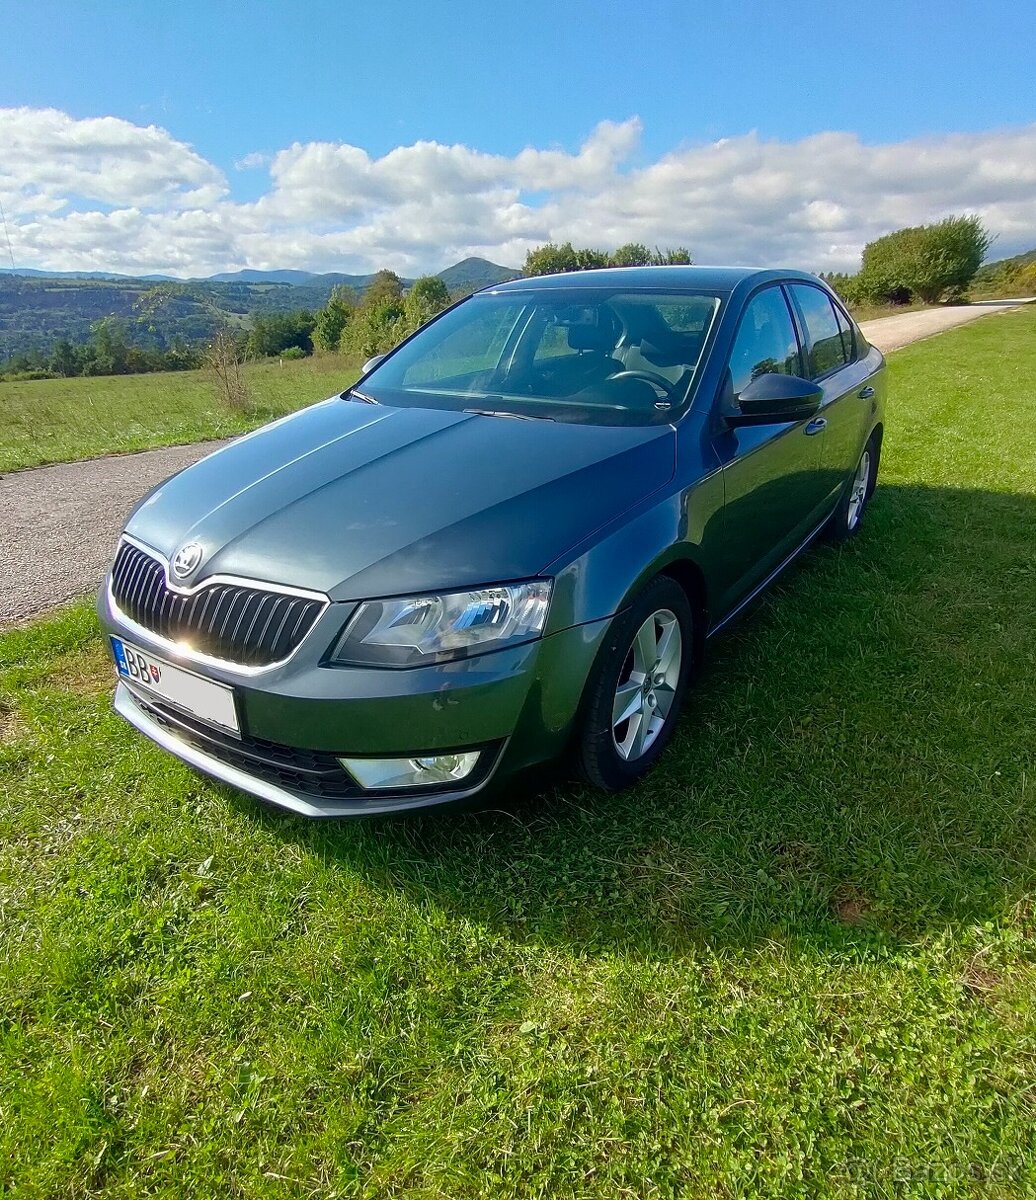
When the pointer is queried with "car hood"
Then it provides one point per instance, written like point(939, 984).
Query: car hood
point(359, 500)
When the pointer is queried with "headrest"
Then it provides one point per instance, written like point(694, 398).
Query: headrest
point(591, 337)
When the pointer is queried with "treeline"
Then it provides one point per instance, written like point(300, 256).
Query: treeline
point(381, 318)
point(108, 351)
point(926, 263)
point(552, 259)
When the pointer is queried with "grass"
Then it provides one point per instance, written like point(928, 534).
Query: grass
point(800, 960)
point(62, 420)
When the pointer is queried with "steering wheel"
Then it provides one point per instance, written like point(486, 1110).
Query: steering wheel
point(651, 377)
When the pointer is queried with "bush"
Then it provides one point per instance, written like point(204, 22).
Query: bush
point(928, 262)
point(292, 353)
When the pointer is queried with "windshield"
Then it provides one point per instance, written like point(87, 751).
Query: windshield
point(594, 355)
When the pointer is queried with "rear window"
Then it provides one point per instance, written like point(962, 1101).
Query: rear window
point(828, 349)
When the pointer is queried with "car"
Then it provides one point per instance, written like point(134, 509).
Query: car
point(507, 544)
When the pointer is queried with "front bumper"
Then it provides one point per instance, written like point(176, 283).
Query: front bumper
point(517, 706)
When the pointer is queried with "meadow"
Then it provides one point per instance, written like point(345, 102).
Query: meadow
point(798, 960)
point(62, 420)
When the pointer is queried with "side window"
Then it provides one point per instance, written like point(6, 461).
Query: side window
point(828, 349)
point(765, 342)
point(846, 330)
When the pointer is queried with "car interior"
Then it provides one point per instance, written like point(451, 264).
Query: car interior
point(626, 354)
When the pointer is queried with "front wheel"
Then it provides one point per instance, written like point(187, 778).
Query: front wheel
point(636, 688)
point(848, 516)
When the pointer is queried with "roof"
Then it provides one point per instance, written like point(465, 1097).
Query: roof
point(706, 279)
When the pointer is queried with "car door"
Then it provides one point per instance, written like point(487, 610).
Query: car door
point(828, 337)
point(771, 472)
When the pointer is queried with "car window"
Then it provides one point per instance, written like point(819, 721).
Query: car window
point(470, 349)
point(765, 342)
point(827, 347)
point(602, 355)
point(846, 330)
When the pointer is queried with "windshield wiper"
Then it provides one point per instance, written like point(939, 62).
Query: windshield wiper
point(362, 396)
point(492, 412)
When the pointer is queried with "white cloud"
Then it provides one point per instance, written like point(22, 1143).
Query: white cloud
point(106, 194)
point(249, 161)
point(49, 162)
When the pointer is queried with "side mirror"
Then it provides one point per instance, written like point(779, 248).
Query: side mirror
point(770, 399)
point(371, 363)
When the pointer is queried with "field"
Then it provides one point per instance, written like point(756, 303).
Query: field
point(800, 960)
point(60, 420)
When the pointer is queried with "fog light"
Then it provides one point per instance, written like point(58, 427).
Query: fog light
point(426, 771)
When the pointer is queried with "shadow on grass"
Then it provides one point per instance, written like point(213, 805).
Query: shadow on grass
point(854, 769)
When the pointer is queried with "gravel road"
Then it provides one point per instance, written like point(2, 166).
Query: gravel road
point(892, 333)
point(58, 525)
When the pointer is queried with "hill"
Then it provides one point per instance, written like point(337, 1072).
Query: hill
point(1007, 277)
point(39, 308)
point(473, 273)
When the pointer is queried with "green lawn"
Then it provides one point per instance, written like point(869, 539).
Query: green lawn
point(60, 420)
point(799, 961)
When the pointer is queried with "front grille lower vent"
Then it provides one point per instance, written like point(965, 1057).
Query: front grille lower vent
point(239, 624)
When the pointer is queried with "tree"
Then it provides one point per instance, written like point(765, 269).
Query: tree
point(633, 254)
point(63, 359)
point(680, 257)
point(589, 259)
point(386, 285)
point(376, 327)
point(428, 296)
point(332, 319)
point(273, 332)
point(111, 349)
point(551, 259)
point(926, 261)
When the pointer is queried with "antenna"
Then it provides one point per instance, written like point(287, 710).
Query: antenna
point(7, 236)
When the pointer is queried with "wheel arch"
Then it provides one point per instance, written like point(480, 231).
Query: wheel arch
point(687, 572)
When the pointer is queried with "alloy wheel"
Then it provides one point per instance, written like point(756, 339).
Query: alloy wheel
point(647, 685)
point(858, 491)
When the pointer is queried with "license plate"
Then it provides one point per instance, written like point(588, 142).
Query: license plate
point(201, 698)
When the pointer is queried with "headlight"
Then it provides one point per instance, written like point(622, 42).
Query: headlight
point(416, 630)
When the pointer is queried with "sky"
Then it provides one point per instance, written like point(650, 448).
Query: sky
point(212, 135)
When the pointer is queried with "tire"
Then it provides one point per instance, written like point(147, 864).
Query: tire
point(847, 518)
point(613, 755)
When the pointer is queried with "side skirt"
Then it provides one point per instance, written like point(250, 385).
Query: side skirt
point(761, 587)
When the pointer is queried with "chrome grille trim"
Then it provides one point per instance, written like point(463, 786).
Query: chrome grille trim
point(245, 625)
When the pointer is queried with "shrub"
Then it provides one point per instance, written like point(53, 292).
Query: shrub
point(926, 261)
point(223, 362)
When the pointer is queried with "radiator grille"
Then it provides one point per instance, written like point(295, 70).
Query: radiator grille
point(239, 624)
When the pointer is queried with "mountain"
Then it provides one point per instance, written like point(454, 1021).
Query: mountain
point(295, 278)
point(37, 308)
point(466, 275)
point(32, 273)
point(472, 273)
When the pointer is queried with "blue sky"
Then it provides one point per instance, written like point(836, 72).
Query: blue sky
point(233, 80)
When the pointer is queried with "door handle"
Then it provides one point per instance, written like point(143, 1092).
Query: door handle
point(865, 393)
point(817, 425)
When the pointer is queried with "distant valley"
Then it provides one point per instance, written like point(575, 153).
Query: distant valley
point(39, 308)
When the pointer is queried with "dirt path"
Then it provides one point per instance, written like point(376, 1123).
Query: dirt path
point(58, 525)
point(891, 333)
